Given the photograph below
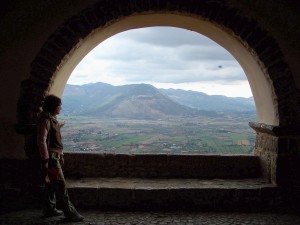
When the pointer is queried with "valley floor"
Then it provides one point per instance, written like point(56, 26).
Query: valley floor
point(199, 135)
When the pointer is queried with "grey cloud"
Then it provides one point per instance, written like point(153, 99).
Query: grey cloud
point(167, 55)
point(122, 53)
point(167, 37)
point(177, 73)
point(129, 50)
point(81, 76)
point(204, 53)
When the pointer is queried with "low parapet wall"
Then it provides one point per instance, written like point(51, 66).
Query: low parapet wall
point(161, 166)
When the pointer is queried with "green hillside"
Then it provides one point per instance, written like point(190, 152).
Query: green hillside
point(136, 101)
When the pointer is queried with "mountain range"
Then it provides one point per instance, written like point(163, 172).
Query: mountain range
point(144, 101)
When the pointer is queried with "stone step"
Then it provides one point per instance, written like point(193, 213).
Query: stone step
point(174, 194)
point(248, 195)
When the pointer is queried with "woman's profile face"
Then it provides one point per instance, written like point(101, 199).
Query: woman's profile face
point(57, 110)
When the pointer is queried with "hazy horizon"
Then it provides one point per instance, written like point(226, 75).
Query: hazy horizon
point(156, 87)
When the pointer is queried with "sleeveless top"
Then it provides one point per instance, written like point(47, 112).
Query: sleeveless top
point(54, 140)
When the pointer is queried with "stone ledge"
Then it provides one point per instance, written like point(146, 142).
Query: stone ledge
point(155, 194)
point(155, 184)
point(278, 131)
point(174, 194)
point(252, 195)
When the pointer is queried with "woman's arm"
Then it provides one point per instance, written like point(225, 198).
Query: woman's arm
point(42, 133)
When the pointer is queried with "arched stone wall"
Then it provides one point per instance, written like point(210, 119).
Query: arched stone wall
point(46, 68)
point(49, 70)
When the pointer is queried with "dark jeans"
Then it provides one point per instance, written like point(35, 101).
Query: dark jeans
point(56, 191)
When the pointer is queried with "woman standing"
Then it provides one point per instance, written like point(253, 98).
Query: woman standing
point(51, 152)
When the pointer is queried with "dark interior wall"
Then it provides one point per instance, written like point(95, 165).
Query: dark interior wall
point(281, 18)
point(25, 27)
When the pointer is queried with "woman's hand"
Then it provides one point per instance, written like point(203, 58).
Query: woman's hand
point(44, 167)
point(62, 160)
point(47, 180)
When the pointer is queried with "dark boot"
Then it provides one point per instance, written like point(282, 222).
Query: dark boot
point(75, 217)
point(52, 212)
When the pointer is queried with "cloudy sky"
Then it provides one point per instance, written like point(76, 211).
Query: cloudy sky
point(166, 58)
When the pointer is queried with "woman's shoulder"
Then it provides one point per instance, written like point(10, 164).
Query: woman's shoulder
point(44, 117)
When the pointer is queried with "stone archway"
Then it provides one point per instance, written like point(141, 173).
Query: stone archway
point(258, 53)
point(266, 110)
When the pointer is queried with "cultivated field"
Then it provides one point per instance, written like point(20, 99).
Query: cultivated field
point(230, 135)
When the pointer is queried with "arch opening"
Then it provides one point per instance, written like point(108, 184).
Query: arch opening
point(259, 83)
point(204, 132)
